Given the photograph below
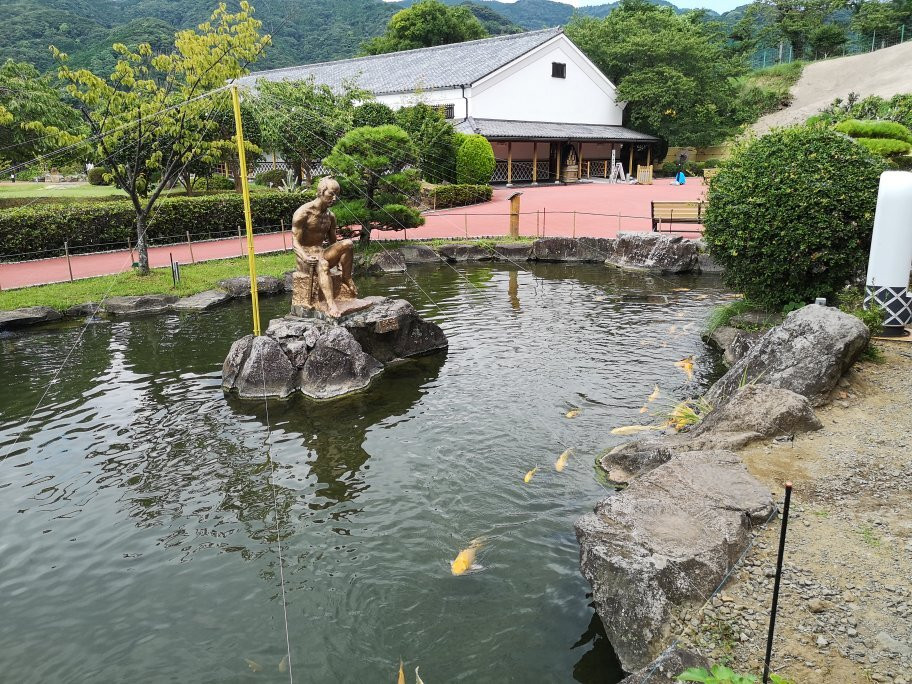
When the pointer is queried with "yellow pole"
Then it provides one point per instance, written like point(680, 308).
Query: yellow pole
point(248, 219)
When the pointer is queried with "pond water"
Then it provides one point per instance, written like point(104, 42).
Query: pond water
point(137, 523)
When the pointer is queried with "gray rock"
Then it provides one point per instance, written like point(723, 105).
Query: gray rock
point(202, 300)
point(265, 369)
point(336, 365)
point(633, 459)
point(512, 251)
point(662, 545)
point(288, 281)
point(464, 253)
point(392, 329)
point(240, 286)
point(419, 254)
point(653, 252)
point(31, 315)
point(666, 668)
point(756, 319)
point(84, 310)
point(732, 342)
point(571, 249)
point(762, 411)
point(386, 261)
point(707, 265)
point(138, 305)
point(807, 354)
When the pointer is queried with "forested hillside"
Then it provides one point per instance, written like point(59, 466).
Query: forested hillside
point(304, 30)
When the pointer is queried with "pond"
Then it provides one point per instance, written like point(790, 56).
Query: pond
point(138, 524)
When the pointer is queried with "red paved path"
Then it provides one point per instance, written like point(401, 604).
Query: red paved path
point(597, 206)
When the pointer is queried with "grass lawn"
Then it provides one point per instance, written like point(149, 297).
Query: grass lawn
point(63, 190)
point(194, 277)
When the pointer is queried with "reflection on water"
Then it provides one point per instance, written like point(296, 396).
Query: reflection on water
point(137, 521)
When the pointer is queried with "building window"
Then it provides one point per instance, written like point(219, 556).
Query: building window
point(448, 110)
point(558, 70)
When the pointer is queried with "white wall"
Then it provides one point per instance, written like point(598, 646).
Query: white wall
point(451, 96)
point(525, 90)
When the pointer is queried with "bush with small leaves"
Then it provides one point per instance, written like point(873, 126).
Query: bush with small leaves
point(271, 179)
point(790, 214)
point(96, 176)
point(474, 161)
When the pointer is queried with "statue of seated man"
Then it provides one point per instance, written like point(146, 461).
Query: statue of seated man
point(312, 225)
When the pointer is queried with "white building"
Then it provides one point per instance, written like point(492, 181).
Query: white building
point(535, 96)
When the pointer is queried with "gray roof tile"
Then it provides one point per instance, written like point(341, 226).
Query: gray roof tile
point(498, 129)
point(444, 66)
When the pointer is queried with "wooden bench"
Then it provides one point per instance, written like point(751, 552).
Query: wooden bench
point(676, 212)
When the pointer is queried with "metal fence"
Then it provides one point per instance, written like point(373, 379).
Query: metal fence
point(857, 43)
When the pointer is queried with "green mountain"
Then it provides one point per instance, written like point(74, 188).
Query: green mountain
point(303, 30)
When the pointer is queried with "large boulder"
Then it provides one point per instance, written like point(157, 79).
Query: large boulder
point(392, 329)
point(732, 342)
point(660, 547)
point(464, 253)
point(240, 286)
point(807, 354)
point(654, 252)
point(512, 251)
point(592, 250)
point(385, 261)
point(762, 411)
point(258, 367)
point(666, 668)
point(201, 301)
point(419, 254)
point(31, 315)
point(138, 305)
point(336, 365)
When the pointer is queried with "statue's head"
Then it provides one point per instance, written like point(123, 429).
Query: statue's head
point(328, 190)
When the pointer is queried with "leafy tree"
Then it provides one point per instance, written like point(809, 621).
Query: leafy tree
point(302, 120)
point(826, 39)
point(34, 118)
point(434, 140)
point(425, 24)
point(224, 142)
point(790, 214)
point(677, 81)
point(474, 161)
point(875, 18)
point(796, 20)
point(373, 114)
point(150, 117)
point(371, 164)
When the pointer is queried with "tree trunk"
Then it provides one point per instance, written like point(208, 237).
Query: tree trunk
point(142, 245)
point(235, 167)
point(307, 167)
point(364, 238)
point(187, 182)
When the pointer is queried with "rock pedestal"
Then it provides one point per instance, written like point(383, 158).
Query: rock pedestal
point(322, 357)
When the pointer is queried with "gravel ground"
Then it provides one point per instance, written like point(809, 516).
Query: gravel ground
point(845, 605)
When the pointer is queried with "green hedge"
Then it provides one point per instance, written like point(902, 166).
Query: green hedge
point(854, 128)
point(443, 196)
point(885, 147)
point(97, 176)
point(272, 178)
point(93, 226)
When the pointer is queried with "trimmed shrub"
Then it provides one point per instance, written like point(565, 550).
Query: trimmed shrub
point(885, 147)
point(271, 179)
point(443, 196)
point(83, 224)
point(97, 176)
point(874, 129)
point(373, 114)
point(790, 214)
point(901, 163)
point(474, 161)
point(218, 182)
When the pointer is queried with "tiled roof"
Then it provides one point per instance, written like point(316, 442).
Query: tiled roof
point(444, 66)
point(498, 129)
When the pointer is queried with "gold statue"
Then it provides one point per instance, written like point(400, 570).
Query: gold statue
point(315, 284)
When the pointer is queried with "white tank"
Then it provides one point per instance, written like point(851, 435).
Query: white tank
point(891, 252)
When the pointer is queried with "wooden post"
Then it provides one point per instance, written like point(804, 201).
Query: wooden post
point(534, 163)
point(514, 214)
point(649, 155)
point(66, 249)
point(574, 225)
point(630, 165)
point(588, 169)
point(605, 172)
point(537, 219)
point(510, 164)
point(580, 162)
point(130, 247)
point(465, 219)
point(274, 164)
point(284, 244)
point(544, 219)
point(190, 247)
point(557, 176)
point(240, 239)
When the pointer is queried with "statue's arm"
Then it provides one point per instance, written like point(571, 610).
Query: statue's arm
point(331, 236)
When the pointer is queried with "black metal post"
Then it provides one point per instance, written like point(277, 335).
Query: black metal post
point(772, 626)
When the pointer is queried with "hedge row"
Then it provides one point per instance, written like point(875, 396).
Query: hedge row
point(855, 128)
point(885, 147)
point(31, 229)
point(443, 196)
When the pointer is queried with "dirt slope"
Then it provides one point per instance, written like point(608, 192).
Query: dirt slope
point(884, 72)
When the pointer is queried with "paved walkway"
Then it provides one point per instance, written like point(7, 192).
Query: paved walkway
point(549, 207)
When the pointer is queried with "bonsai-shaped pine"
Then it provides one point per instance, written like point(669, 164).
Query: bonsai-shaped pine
point(370, 164)
point(790, 214)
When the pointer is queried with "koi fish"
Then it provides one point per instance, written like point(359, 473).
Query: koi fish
point(253, 665)
point(680, 289)
point(686, 365)
point(418, 679)
point(465, 559)
point(561, 461)
point(644, 409)
point(283, 664)
point(672, 329)
point(701, 297)
point(599, 299)
point(527, 478)
point(634, 429)
point(401, 679)
point(573, 413)
point(655, 394)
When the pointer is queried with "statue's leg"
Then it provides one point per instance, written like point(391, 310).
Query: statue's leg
point(341, 253)
point(326, 287)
